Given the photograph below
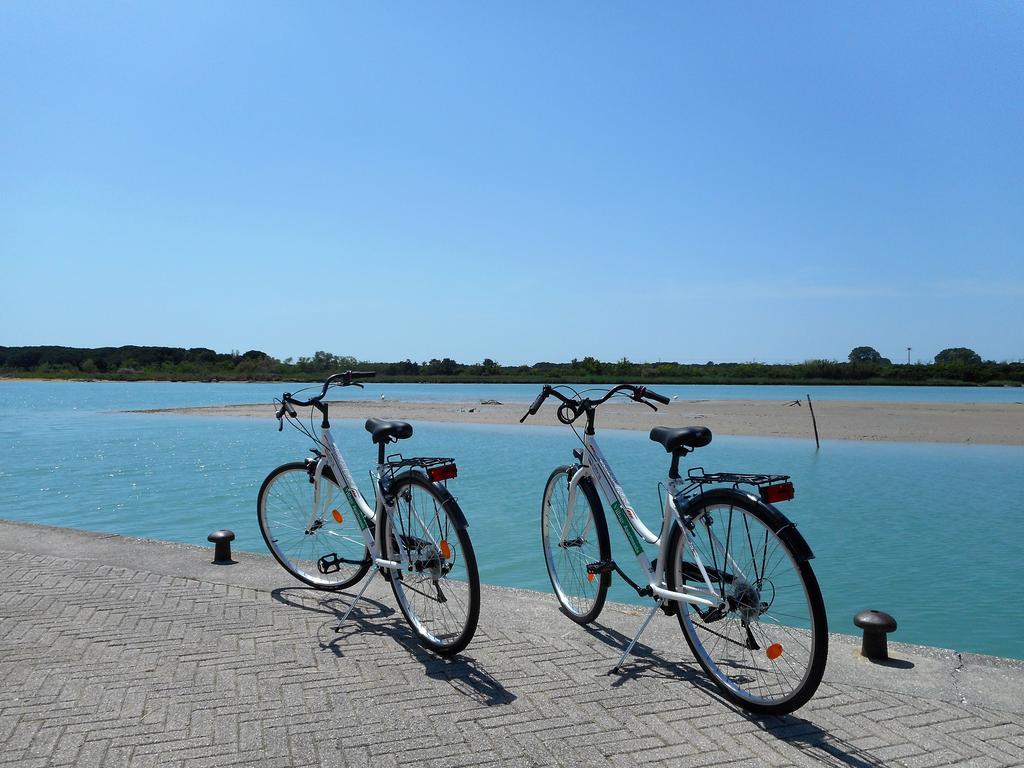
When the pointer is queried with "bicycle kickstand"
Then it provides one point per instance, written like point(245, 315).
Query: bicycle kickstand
point(657, 604)
point(366, 583)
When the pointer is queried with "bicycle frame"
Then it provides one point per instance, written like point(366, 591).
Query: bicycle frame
point(594, 465)
point(366, 517)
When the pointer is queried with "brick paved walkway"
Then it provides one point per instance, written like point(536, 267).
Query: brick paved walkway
point(110, 656)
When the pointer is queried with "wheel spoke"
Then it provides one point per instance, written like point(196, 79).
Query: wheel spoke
point(286, 515)
point(773, 603)
point(580, 593)
point(418, 528)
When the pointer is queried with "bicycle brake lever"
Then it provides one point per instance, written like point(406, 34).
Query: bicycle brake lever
point(280, 424)
point(641, 400)
point(524, 417)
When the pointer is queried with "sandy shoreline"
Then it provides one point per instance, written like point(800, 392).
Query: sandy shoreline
point(984, 423)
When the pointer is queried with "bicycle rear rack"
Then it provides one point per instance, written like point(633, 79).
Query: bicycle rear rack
point(438, 468)
point(772, 488)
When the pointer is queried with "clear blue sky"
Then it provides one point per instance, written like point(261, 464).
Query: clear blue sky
point(522, 181)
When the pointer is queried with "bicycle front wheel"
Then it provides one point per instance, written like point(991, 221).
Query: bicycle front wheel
point(438, 587)
point(318, 541)
point(568, 550)
point(766, 646)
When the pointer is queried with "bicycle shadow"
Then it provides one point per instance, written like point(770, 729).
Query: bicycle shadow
point(375, 619)
point(804, 735)
point(644, 661)
point(814, 741)
point(321, 601)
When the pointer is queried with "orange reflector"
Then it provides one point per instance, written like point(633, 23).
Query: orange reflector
point(590, 576)
point(337, 516)
point(774, 651)
point(443, 472)
point(776, 493)
point(446, 550)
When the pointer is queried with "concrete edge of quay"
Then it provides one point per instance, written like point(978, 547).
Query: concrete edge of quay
point(947, 675)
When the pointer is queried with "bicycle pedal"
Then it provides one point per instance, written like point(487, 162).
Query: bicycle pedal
point(601, 567)
point(329, 563)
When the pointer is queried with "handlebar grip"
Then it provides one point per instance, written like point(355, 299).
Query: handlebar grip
point(655, 396)
point(346, 379)
point(535, 406)
point(291, 411)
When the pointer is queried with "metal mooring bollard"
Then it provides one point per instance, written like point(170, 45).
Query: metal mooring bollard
point(876, 625)
point(222, 545)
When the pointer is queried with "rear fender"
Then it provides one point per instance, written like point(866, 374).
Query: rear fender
point(780, 525)
point(453, 509)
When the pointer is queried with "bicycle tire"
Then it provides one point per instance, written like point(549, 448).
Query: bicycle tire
point(581, 594)
point(284, 509)
point(773, 598)
point(438, 590)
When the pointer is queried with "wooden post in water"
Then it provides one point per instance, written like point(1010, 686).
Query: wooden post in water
point(814, 421)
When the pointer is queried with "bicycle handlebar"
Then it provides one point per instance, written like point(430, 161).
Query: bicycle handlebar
point(654, 396)
point(578, 406)
point(345, 379)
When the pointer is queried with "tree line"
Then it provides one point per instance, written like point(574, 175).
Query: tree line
point(864, 365)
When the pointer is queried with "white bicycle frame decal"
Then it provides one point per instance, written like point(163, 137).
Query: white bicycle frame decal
point(596, 467)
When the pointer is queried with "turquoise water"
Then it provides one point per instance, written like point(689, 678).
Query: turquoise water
point(930, 533)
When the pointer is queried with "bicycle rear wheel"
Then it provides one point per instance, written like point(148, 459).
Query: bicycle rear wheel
point(767, 649)
point(438, 589)
point(320, 544)
point(568, 552)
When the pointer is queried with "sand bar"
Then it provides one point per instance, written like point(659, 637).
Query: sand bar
point(986, 423)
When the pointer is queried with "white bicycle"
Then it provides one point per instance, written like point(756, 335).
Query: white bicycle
point(730, 566)
point(320, 529)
